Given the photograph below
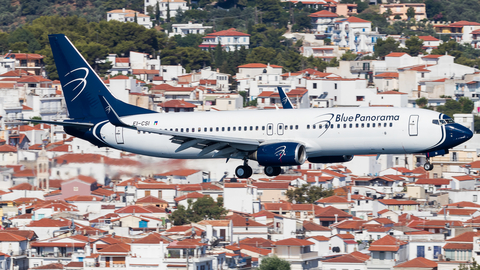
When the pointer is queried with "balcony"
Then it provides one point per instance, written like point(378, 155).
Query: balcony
point(50, 110)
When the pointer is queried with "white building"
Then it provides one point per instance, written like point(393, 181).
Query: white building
point(230, 40)
point(354, 33)
point(128, 15)
point(184, 29)
point(167, 6)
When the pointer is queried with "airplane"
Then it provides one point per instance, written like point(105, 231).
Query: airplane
point(274, 138)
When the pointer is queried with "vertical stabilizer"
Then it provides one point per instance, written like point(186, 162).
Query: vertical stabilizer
point(82, 86)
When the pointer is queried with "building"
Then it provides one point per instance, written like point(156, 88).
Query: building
point(230, 40)
point(401, 10)
point(353, 33)
point(167, 8)
point(128, 15)
point(188, 28)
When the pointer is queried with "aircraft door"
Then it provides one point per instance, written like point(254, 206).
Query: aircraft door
point(119, 135)
point(280, 129)
point(413, 125)
point(269, 129)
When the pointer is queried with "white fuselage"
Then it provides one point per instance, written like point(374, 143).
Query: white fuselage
point(355, 131)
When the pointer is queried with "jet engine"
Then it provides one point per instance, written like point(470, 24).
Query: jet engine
point(330, 159)
point(280, 154)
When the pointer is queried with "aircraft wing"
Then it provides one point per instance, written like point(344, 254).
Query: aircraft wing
point(226, 146)
point(60, 123)
point(208, 143)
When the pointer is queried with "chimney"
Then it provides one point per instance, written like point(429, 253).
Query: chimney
point(316, 179)
point(123, 9)
point(349, 196)
point(336, 218)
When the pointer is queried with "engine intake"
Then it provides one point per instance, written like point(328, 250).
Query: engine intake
point(280, 154)
point(330, 159)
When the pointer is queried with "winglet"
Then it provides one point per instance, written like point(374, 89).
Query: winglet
point(112, 115)
point(286, 103)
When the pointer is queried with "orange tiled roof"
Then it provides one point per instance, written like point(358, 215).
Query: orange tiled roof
point(396, 54)
point(417, 263)
point(323, 14)
point(294, 242)
point(229, 32)
point(258, 65)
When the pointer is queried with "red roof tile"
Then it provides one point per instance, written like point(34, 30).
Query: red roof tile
point(397, 202)
point(387, 75)
point(428, 38)
point(175, 103)
point(323, 14)
point(229, 32)
point(433, 181)
point(7, 148)
point(293, 242)
point(396, 54)
point(258, 65)
point(333, 199)
point(417, 263)
point(347, 258)
point(354, 19)
point(458, 246)
point(191, 195)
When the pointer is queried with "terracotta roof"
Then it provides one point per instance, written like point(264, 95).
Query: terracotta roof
point(350, 224)
point(347, 258)
point(229, 32)
point(181, 172)
point(323, 14)
point(175, 103)
point(433, 181)
point(220, 223)
point(397, 202)
point(149, 239)
point(433, 56)
point(428, 38)
point(464, 204)
point(132, 209)
point(191, 195)
point(83, 198)
point(49, 266)
point(333, 199)
point(261, 251)
point(115, 248)
point(257, 242)
point(74, 265)
point(239, 221)
point(345, 236)
point(187, 243)
point(258, 65)
point(311, 226)
point(387, 75)
point(6, 236)
point(457, 211)
point(7, 148)
point(354, 19)
point(272, 185)
point(458, 246)
point(416, 263)
point(464, 237)
point(320, 238)
point(464, 23)
point(293, 242)
point(47, 222)
point(32, 79)
point(396, 54)
point(463, 177)
point(26, 56)
point(151, 199)
point(386, 243)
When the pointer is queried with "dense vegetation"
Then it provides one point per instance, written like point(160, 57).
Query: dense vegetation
point(202, 208)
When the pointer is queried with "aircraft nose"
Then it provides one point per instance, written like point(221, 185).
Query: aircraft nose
point(460, 134)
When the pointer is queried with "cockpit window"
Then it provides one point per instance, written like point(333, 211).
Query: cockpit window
point(443, 121)
point(435, 121)
point(449, 121)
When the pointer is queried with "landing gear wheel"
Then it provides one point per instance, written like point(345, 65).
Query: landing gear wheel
point(428, 166)
point(244, 171)
point(272, 171)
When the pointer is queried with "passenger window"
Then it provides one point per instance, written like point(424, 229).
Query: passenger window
point(332, 126)
point(313, 126)
point(344, 125)
point(245, 128)
point(176, 129)
point(223, 128)
point(269, 127)
point(217, 129)
point(263, 127)
point(286, 127)
point(205, 129)
point(319, 126)
point(200, 129)
point(384, 124)
point(338, 125)
point(171, 129)
point(251, 128)
point(233, 128)
point(351, 125)
point(356, 125)
point(363, 125)
point(211, 129)
point(391, 124)
point(368, 125)
point(187, 130)
point(239, 128)
point(181, 130)
point(256, 127)
point(193, 129)
point(296, 126)
point(373, 124)
point(308, 126)
point(228, 128)
point(291, 126)
point(280, 127)
point(379, 124)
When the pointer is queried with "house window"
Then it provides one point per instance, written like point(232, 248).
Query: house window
point(454, 156)
point(360, 98)
point(474, 198)
point(335, 86)
point(315, 86)
point(75, 188)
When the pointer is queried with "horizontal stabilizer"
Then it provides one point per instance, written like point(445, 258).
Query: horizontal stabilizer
point(60, 123)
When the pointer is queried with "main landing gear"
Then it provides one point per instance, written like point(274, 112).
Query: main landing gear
point(272, 171)
point(428, 166)
point(244, 171)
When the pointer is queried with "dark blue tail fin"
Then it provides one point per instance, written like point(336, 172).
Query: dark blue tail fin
point(81, 85)
point(286, 103)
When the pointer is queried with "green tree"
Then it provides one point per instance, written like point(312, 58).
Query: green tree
point(422, 102)
point(261, 55)
point(168, 11)
point(397, 17)
point(189, 40)
point(314, 193)
point(179, 216)
point(274, 263)
point(308, 194)
point(348, 56)
point(411, 12)
point(451, 107)
point(384, 47)
point(476, 123)
point(414, 46)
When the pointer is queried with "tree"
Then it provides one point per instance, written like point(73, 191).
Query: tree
point(274, 263)
point(179, 216)
point(414, 46)
point(261, 55)
point(451, 107)
point(202, 208)
point(411, 12)
point(157, 12)
point(422, 102)
point(168, 11)
point(397, 17)
point(348, 56)
point(308, 194)
point(384, 47)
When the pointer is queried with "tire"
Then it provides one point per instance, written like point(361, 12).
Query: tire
point(243, 172)
point(272, 171)
point(428, 166)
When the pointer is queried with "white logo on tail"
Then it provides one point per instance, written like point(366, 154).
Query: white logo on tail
point(108, 109)
point(280, 151)
point(81, 81)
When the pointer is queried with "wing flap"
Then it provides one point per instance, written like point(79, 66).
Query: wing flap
point(60, 123)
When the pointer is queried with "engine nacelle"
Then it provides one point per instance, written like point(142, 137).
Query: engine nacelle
point(330, 159)
point(280, 154)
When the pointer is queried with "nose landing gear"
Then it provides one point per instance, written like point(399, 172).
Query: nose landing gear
point(428, 166)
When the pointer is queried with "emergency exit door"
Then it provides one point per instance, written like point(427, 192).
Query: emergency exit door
point(413, 125)
point(119, 135)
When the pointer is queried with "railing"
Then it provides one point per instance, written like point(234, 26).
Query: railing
point(184, 256)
